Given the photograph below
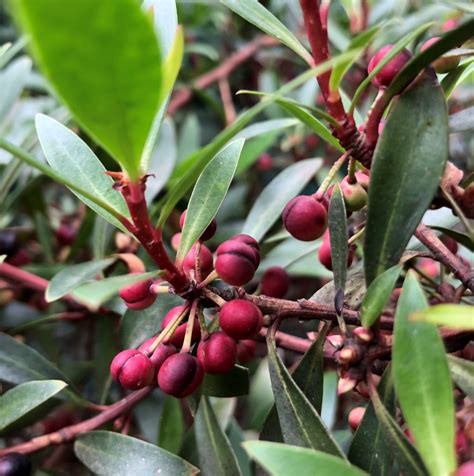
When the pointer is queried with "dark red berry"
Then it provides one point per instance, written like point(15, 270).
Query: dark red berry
point(450, 243)
point(161, 353)
point(305, 218)
point(15, 464)
point(138, 295)
point(236, 261)
point(66, 234)
point(385, 76)
point(246, 350)
point(208, 233)
point(189, 262)
point(467, 201)
point(178, 337)
point(132, 369)
point(240, 319)
point(180, 375)
point(217, 354)
point(275, 282)
point(441, 65)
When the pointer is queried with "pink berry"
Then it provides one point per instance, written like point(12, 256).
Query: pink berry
point(180, 375)
point(177, 338)
point(175, 239)
point(305, 218)
point(138, 296)
point(208, 233)
point(240, 319)
point(217, 354)
point(355, 417)
point(275, 282)
point(466, 469)
point(385, 76)
point(132, 369)
point(189, 262)
point(265, 162)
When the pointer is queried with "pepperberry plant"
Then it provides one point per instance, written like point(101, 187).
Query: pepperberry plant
point(269, 276)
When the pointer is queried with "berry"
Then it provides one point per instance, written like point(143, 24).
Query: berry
point(237, 261)
point(355, 417)
point(161, 353)
point(175, 239)
point(363, 179)
point(189, 262)
point(217, 354)
point(246, 351)
point(180, 375)
point(385, 76)
point(208, 233)
point(240, 319)
point(265, 162)
point(355, 197)
point(466, 469)
point(450, 243)
point(138, 296)
point(467, 201)
point(177, 338)
point(305, 218)
point(324, 253)
point(442, 64)
point(132, 369)
point(15, 464)
point(66, 234)
point(275, 282)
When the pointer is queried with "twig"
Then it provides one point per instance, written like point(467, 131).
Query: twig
point(226, 96)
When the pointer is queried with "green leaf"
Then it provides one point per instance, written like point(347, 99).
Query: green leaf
point(22, 400)
point(415, 146)
point(20, 363)
point(112, 454)
point(72, 158)
point(170, 436)
point(454, 316)
point(208, 195)
point(138, 326)
point(282, 460)
point(300, 423)
point(256, 14)
point(96, 293)
point(461, 238)
point(423, 383)
point(337, 223)
point(215, 452)
point(12, 81)
point(172, 64)
point(231, 384)
point(403, 451)
point(268, 207)
point(369, 450)
point(73, 276)
point(456, 77)
point(462, 372)
point(111, 82)
point(236, 437)
point(340, 70)
point(377, 295)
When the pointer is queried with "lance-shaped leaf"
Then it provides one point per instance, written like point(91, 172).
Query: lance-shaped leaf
point(300, 423)
point(111, 82)
point(282, 460)
point(377, 295)
point(422, 382)
point(215, 452)
point(73, 159)
point(462, 372)
point(369, 449)
point(271, 202)
point(455, 316)
point(208, 195)
point(408, 164)
point(461, 238)
point(113, 454)
point(73, 276)
point(232, 384)
point(21, 401)
point(256, 14)
point(170, 436)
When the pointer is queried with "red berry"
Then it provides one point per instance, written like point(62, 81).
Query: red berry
point(161, 353)
point(240, 319)
point(265, 162)
point(208, 233)
point(15, 464)
point(132, 369)
point(217, 354)
point(441, 65)
point(189, 261)
point(180, 375)
point(177, 338)
point(236, 261)
point(246, 350)
point(275, 282)
point(305, 218)
point(450, 243)
point(385, 76)
point(66, 234)
point(467, 201)
point(138, 295)
point(324, 253)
